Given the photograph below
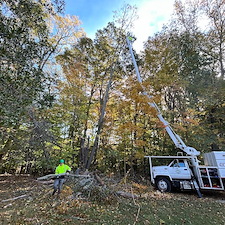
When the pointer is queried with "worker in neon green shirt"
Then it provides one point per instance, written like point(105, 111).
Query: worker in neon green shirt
point(60, 170)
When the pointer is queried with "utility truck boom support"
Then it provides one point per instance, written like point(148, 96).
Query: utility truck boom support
point(183, 172)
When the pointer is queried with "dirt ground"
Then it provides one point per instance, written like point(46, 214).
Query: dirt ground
point(24, 188)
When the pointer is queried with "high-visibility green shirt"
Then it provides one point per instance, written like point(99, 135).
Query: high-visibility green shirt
point(62, 169)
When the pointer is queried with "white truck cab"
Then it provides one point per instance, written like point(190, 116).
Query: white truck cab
point(175, 174)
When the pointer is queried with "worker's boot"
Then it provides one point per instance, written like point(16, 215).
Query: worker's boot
point(54, 192)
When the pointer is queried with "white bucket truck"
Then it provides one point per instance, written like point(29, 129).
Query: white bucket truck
point(183, 172)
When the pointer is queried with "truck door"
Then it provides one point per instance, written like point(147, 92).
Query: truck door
point(179, 169)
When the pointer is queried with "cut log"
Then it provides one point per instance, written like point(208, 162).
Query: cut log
point(52, 176)
point(47, 182)
point(48, 177)
point(11, 199)
point(100, 181)
point(126, 194)
point(74, 175)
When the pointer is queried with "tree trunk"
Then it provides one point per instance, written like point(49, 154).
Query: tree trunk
point(6, 147)
point(84, 149)
point(222, 71)
point(101, 118)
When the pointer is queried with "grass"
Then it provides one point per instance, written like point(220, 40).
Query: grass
point(155, 208)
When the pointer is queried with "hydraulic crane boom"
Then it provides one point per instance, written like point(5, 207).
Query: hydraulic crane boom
point(175, 137)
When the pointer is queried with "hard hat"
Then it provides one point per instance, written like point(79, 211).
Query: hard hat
point(61, 161)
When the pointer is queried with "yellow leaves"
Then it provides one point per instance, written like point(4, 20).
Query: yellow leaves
point(67, 191)
point(138, 154)
point(62, 208)
point(130, 127)
point(140, 188)
point(64, 205)
point(140, 143)
point(65, 29)
point(68, 20)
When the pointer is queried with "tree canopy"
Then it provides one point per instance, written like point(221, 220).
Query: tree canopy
point(64, 95)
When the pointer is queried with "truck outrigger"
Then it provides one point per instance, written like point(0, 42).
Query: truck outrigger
point(183, 171)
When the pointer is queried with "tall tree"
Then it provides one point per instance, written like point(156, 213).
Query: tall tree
point(208, 77)
point(27, 45)
point(215, 12)
point(23, 38)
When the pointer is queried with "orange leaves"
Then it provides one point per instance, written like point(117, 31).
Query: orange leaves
point(129, 127)
point(133, 98)
point(159, 124)
point(191, 121)
point(180, 127)
point(140, 143)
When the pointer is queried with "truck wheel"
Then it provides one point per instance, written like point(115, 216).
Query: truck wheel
point(163, 184)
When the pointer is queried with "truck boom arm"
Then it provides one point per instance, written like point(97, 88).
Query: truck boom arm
point(175, 137)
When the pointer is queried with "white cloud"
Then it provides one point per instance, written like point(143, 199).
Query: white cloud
point(152, 15)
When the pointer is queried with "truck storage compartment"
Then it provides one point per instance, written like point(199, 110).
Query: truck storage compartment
point(216, 159)
point(210, 178)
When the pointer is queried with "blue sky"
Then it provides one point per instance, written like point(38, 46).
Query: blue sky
point(95, 14)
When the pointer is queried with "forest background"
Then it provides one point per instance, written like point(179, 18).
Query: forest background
point(64, 95)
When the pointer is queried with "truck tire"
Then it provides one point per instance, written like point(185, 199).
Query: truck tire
point(163, 184)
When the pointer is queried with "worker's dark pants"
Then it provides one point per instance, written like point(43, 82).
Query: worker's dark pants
point(58, 183)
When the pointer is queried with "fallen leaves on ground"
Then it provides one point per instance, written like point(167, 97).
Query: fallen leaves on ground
point(152, 207)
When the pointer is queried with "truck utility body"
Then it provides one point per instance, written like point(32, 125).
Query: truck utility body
point(183, 172)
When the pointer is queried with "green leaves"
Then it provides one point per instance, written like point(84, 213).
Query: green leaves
point(23, 36)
